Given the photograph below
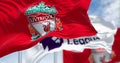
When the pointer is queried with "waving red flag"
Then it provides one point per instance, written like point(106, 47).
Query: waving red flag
point(14, 32)
point(116, 48)
point(83, 57)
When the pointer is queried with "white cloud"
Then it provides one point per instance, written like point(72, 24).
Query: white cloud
point(109, 10)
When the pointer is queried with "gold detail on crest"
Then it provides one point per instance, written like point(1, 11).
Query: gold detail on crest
point(58, 24)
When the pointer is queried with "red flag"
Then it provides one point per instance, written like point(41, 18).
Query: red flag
point(14, 32)
point(116, 48)
point(83, 57)
point(76, 57)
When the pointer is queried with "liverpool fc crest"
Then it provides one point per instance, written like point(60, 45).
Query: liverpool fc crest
point(43, 19)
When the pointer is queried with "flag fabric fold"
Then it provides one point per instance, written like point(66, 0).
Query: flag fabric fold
point(109, 29)
point(106, 30)
point(14, 32)
point(77, 48)
point(116, 47)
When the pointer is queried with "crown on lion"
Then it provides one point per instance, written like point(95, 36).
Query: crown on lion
point(41, 8)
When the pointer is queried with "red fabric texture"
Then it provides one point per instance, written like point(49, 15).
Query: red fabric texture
point(14, 33)
point(76, 57)
point(116, 47)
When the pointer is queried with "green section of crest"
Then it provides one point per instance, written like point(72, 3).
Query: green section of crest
point(41, 8)
point(35, 37)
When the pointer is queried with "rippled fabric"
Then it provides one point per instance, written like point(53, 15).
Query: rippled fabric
point(14, 32)
point(116, 48)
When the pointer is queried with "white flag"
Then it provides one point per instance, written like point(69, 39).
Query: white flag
point(107, 29)
point(100, 55)
point(103, 39)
